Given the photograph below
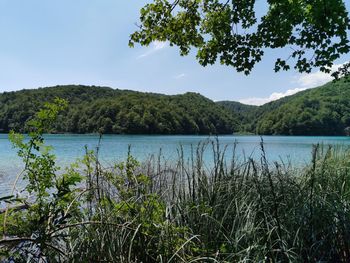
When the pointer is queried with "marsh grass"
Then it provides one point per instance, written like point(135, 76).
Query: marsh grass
point(237, 211)
point(185, 210)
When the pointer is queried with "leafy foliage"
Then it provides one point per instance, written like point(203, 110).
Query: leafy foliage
point(29, 231)
point(232, 33)
point(320, 111)
point(100, 109)
point(245, 113)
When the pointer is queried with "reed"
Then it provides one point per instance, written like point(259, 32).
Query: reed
point(185, 210)
point(237, 211)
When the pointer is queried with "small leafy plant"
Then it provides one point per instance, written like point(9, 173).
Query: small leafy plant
point(32, 232)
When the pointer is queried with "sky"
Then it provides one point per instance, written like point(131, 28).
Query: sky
point(57, 42)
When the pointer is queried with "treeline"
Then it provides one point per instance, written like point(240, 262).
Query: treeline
point(100, 109)
point(320, 111)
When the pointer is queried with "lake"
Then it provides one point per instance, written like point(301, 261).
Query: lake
point(114, 148)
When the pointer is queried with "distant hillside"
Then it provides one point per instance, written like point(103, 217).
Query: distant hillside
point(320, 111)
point(237, 106)
point(100, 109)
point(245, 113)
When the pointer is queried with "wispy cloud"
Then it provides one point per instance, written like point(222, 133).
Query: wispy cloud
point(155, 46)
point(315, 79)
point(273, 96)
point(304, 81)
point(180, 76)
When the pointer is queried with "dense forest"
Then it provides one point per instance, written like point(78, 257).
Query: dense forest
point(320, 111)
point(101, 109)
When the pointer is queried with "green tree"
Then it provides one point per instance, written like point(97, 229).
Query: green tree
point(230, 31)
point(100, 109)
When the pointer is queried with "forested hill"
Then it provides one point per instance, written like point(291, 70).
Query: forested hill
point(245, 114)
point(100, 109)
point(320, 111)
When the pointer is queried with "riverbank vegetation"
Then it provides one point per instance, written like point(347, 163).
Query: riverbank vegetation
point(180, 211)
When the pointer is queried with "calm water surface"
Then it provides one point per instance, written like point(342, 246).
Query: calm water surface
point(114, 147)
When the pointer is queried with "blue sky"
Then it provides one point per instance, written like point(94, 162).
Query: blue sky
point(46, 43)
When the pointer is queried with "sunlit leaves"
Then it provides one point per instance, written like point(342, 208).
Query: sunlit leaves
point(229, 31)
point(49, 195)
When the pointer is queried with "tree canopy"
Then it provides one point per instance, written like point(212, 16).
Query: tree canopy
point(320, 111)
point(102, 109)
point(231, 31)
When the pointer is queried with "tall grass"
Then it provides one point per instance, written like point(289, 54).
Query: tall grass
point(187, 211)
point(247, 211)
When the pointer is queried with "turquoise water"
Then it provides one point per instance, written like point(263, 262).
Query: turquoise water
point(114, 148)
